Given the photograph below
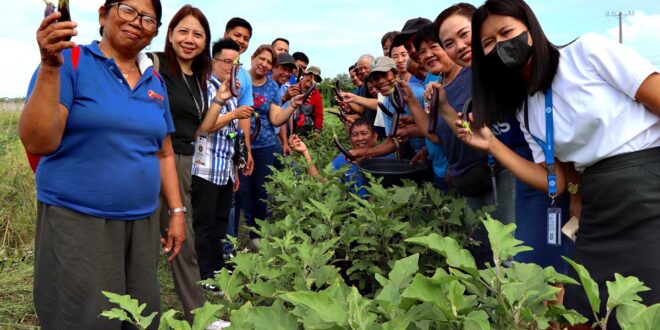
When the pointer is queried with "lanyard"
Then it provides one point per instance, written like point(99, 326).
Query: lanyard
point(549, 146)
point(201, 96)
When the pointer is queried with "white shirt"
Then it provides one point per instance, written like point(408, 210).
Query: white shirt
point(595, 113)
point(379, 121)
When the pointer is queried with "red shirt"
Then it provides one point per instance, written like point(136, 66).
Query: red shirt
point(316, 101)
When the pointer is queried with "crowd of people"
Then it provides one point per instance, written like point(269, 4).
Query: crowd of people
point(170, 147)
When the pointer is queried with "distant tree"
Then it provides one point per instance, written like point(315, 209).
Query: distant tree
point(325, 87)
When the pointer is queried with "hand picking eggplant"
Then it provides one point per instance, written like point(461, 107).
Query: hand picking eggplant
point(233, 79)
point(433, 110)
point(384, 109)
point(343, 149)
point(257, 127)
point(63, 8)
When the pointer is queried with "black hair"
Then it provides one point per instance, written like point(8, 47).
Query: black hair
point(300, 56)
point(238, 22)
point(426, 34)
point(158, 8)
point(224, 43)
point(362, 121)
point(464, 9)
point(498, 94)
point(387, 36)
point(352, 67)
point(279, 39)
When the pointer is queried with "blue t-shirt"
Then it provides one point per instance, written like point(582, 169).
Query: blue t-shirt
point(106, 165)
point(263, 97)
point(431, 78)
point(415, 80)
point(460, 157)
point(418, 142)
point(245, 93)
point(353, 174)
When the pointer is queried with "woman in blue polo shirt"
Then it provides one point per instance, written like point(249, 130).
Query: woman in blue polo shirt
point(99, 115)
point(265, 92)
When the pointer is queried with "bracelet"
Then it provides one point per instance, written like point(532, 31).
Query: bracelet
point(218, 101)
point(182, 209)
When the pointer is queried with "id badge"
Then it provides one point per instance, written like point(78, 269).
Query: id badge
point(554, 226)
point(201, 152)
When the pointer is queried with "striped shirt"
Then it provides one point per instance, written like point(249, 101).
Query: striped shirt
point(219, 166)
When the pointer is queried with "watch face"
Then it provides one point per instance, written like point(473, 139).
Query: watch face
point(573, 188)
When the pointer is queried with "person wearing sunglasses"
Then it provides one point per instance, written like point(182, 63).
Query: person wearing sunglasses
point(99, 115)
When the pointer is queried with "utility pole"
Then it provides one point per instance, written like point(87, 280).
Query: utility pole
point(620, 15)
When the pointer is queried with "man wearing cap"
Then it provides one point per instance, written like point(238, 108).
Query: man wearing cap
point(281, 74)
point(384, 74)
point(311, 112)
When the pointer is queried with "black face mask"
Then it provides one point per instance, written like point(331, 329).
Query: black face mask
point(512, 54)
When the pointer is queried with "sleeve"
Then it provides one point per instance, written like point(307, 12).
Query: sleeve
point(317, 102)
point(621, 66)
point(537, 151)
point(245, 94)
point(167, 114)
point(66, 81)
point(276, 94)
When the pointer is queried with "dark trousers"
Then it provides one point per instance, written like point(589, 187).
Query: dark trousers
point(77, 256)
point(252, 193)
point(211, 205)
point(185, 271)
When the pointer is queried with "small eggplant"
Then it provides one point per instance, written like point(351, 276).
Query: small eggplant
point(433, 110)
point(50, 8)
point(384, 109)
point(307, 94)
point(343, 149)
point(338, 92)
point(63, 8)
point(394, 125)
point(233, 88)
point(397, 99)
point(257, 127)
point(300, 74)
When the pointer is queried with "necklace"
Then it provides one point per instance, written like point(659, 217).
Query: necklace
point(124, 73)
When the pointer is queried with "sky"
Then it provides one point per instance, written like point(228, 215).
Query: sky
point(332, 33)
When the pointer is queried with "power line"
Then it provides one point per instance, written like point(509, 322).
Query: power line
point(620, 15)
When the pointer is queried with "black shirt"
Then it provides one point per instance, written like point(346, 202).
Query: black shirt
point(186, 105)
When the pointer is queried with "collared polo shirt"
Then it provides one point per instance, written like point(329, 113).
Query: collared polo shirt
point(106, 165)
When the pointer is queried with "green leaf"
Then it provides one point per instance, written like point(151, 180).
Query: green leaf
point(568, 315)
point(476, 320)
point(589, 285)
point(624, 290)
point(273, 317)
point(403, 269)
point(448, 247)
point(359, 315)
point(629, 314)
point(402, 195)
point(119, 314)
point(205, 315)
point(227, 283)
point(327, 308)
point(553, 277)
point(429, 290)
point(239, 318)
point(505, 246)
point(132, 307)
point(648, 320)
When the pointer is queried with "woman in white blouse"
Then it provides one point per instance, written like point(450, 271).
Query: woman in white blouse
point(604, 102)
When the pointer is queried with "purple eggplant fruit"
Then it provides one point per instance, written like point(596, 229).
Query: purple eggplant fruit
point(384, 109)
point(433, 110)
point(343, 149)
point(257, 127)
point(397, 99)
point(233, 79)
point(50, 8)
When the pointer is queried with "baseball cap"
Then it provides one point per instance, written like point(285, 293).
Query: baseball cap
point(286, 59)
point(316, 71)
point(410, 28)
point(382, 64)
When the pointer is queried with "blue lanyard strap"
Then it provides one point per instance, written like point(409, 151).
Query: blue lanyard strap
point(549, 146)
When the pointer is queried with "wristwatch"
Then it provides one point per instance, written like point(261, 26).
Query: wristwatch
point(182, 209)
point(573, 188)
point(218, 101)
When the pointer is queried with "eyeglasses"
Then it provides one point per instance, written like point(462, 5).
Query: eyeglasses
point(129, 14)
point(224, 60)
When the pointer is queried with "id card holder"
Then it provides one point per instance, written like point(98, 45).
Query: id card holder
point(554, 226)
point(201, 153)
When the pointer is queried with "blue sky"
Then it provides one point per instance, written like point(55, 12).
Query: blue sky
point(332, 33)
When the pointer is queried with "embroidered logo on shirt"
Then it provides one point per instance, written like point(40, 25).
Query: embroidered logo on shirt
point(258, 100)
point(154, 95)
